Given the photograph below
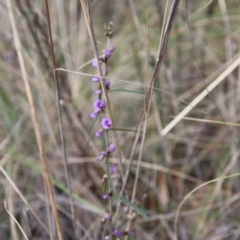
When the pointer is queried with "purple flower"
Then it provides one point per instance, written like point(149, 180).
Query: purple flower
point(99, 105)
point(94, 63)
point(95, 79)
point(108, 53)
point(108, 84)
point(93, 115)
point(103, 153)
point(99, 91)
point(106, 123)
point(101, 158)
point(113, 169)
point(99, 133)
point(118, 233)
point(111, 148)
point(106, 196)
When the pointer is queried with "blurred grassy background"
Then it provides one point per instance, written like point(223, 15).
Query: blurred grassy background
point(192, 153)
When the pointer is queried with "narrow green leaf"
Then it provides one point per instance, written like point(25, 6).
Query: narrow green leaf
point(124, 129)
point(127, 91)
point(122, 199)
point(137, 209)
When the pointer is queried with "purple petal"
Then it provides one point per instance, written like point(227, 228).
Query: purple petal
point(98, 133)
point(117, 233)
point(108, 84)
point(111, 148)
point(103, 153)
point(105, 196)
point(95, 79)
point(94, 63)
point(106, 123)
point(99, 91)
point(108, 53)
point(99, 105)
point(113, 169)
point(93, 115)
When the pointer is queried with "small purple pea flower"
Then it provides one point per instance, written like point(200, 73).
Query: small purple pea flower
point(94, 63)
point(108, 53)
point(106, 196)
point(99, 91)
point(103, 153)
point(106, 123)
point(99, 133)
point(99, 105)
point(95, 79)
point(93, 115)
point(113, 169)
point(101, 158)
point(118, 233)
point(111, 148)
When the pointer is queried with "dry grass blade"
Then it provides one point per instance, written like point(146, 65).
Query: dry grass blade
point(164, 41)
point(201, 96)
point(23, 199)
point(193, 191)
point(15, 220)
point(46, 175)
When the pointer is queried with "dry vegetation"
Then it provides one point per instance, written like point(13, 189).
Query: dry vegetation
point(188, 173)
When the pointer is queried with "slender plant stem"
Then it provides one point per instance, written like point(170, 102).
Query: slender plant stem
point(57, 91)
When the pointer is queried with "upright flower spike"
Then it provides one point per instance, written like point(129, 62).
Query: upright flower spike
point(106, 123)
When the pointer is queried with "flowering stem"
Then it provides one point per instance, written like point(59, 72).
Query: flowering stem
point(86, 12)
